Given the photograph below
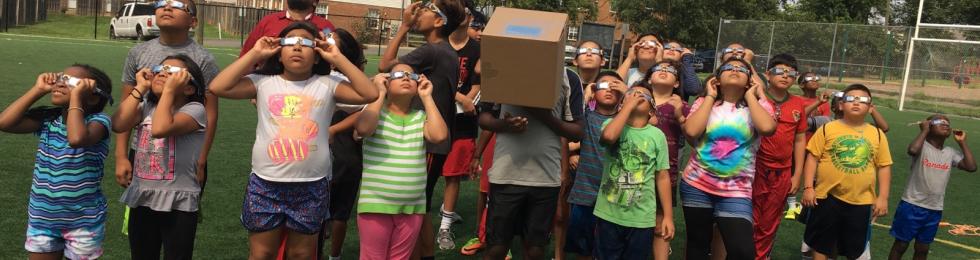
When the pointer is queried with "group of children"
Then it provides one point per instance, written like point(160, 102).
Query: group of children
point(600, 171)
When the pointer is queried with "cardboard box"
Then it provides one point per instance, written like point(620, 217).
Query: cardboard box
point(522, 57)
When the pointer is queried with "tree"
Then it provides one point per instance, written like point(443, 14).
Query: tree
point(692, 22)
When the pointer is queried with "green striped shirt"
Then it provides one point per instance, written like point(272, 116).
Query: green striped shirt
point(394, 166)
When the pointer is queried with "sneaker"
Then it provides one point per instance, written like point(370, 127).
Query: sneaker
point(472, 247)
point(445, 239)
point(793, 211)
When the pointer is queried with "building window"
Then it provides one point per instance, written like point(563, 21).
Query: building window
point(323, 9)
point(572, 33)
point(372, 18)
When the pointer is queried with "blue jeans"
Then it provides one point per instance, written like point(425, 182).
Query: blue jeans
point(614, 242)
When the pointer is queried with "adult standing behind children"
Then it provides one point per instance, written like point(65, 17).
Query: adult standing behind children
point(175, 19)
point(272, 24)
point(437, 60)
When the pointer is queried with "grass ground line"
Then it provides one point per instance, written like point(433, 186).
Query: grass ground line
point(947, 242)
point(96, 40)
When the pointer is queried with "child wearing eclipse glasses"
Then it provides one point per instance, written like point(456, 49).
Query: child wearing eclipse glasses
point(166, 108)
point(921, 208)
point(291, 161)
point(395, 162)
point(66, 208)
point(846, 159)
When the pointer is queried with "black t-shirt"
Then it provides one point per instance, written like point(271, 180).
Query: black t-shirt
point(440, 64)
point(466, 125)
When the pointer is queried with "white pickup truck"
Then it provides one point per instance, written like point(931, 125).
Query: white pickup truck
point(134, 20)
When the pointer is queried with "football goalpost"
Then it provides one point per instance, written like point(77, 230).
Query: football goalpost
point(915, 38)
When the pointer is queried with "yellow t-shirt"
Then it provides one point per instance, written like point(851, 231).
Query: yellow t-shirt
point(848, 161)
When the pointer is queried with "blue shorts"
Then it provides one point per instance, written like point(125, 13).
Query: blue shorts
point(724, 207)
point(914, 222)
point(580, 235)
point(619, 242)
point(301, 206)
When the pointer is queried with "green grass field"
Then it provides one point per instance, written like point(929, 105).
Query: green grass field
point(221, 236)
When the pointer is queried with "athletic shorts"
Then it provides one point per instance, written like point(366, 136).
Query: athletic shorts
point(914, 222)
point(79, 243)
point(458, 161)
point(523, 211)
point(580, 235)
point(724, 207)
point(835, 224)
point(301, 206)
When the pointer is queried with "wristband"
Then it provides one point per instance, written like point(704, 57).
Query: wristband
point(140, 97)
point(79, 109)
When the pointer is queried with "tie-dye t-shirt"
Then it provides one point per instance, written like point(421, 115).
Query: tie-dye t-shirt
point(291, 138)
point(723, 161)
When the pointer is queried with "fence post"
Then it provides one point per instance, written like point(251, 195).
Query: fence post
point(833, 49)
point(241, 26)
point(718, 45)
point(95, 30)
point(772, 33)
point(843, 55)
point(888, 54)
point(380, 35)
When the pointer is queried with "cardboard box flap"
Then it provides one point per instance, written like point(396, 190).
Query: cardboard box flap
point(526, 24)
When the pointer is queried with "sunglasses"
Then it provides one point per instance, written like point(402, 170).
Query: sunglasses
point(781, 71)
point(477, 25)
point(730, 67)
point(297, 40)
point(72, 82)
point(431, 6)
point(173, 4)
point(595, 51)
point(811, 78)
point(730, 50)
point(166, 68)
point(649, 44)
point(939, 122)
point(402, 74)
point(665, 67)
point(863, 100)
point(645, 96)
point(839, 94)
point(673, 47)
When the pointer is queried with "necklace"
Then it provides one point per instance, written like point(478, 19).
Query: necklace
point(777, 104)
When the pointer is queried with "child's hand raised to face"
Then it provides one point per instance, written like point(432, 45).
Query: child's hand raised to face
point(144, 78)
point(266, 47)
point(328, 51)
point(176, 80)
point(959, 135)
point(84, 88)
point(425, 87)
point(924, 126)
point(45, 82)
point(411, 14)
point(711, 88)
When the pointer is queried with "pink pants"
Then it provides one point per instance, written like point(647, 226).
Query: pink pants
point(386, 236)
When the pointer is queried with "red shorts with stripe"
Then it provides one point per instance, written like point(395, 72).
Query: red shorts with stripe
point(458, 160)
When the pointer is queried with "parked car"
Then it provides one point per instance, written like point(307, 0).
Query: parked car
point(570, 52)
point(134, 20)
point(704, 60)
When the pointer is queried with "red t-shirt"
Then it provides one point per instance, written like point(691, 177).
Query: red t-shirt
point(776, 151)
point(271, 25)
point(822, 110)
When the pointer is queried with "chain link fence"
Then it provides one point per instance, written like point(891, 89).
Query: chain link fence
point(21, 12)
point(945, 77)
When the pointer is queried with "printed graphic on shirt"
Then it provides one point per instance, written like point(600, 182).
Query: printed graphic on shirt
point(154, 158)
point(627, 174)
point(851, 154)
point(721, 152)
point(296, 130)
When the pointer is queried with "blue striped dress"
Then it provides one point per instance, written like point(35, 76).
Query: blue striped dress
point(66, 190)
